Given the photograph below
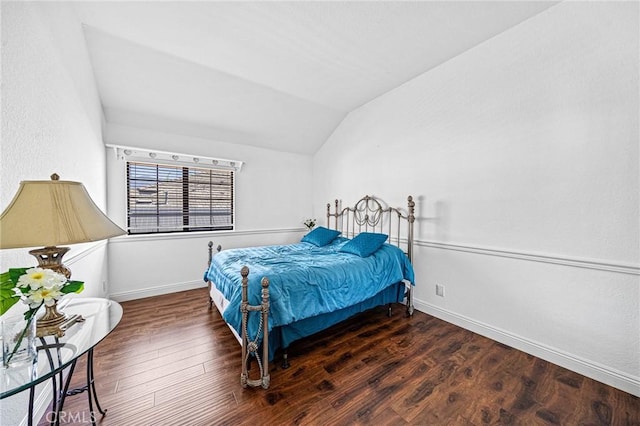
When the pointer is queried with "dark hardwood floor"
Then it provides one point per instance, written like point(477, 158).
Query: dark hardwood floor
point(173, 362)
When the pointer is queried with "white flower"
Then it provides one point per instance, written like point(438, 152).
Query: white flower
point(48, 295)
point(37, 278)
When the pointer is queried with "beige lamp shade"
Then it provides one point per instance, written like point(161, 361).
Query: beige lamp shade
point(50, 213)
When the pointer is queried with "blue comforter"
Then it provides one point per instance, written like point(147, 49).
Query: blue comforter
point(305, 280)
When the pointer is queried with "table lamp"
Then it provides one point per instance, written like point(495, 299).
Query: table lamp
point(52, 213)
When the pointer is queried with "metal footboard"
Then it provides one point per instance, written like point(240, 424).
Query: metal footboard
point(250, 348)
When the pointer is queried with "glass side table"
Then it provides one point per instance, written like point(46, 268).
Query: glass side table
point(57, 354)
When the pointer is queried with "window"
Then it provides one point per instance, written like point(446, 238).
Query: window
point(167, 198)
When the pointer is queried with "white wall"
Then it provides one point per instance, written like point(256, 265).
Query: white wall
point(273, 198)
point(50, 114)
point(523, 156)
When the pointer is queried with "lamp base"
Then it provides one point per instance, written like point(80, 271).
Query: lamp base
point(51, 258)
point(59, 329)
point(54, 322)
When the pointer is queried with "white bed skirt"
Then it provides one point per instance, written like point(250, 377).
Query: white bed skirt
point(222, 304)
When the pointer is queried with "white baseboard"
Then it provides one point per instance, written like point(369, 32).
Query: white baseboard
point(156, 291)
point(601, 373)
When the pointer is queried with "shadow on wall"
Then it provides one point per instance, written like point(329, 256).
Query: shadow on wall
point(439, 231)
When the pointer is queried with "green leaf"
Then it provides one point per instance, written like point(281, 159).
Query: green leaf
point(7, 292)
point(5, 280)
point(15, 273)
point(8, 296)
point(7, 303)
point(73, 287)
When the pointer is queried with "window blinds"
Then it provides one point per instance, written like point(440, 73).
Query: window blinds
point(165, 198)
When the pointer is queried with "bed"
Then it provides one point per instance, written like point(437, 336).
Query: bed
point(271, 296)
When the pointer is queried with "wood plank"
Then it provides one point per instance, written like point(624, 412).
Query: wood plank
point(172, 361)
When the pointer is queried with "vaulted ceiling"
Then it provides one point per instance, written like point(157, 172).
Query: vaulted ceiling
point(278, 75)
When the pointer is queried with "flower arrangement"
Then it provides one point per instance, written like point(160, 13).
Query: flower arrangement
point(309, 223)
point(35, 287)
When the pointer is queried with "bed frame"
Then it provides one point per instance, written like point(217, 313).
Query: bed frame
point(369, 214)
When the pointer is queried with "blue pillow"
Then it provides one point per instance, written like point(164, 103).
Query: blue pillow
point(364, 244)
point(320, 236)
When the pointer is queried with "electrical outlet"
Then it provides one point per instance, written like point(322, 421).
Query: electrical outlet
point(439, 290)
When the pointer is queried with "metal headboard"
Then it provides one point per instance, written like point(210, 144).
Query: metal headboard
point(369, 215)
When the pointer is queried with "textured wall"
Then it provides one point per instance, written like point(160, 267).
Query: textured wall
point(50, 108)
point(523, 156)
point(51, 122)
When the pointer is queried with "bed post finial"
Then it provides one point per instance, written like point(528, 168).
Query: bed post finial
point(245, 284)
point(411, 205)
point(218, 249)
point(412, 208)
point(328, 214)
